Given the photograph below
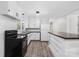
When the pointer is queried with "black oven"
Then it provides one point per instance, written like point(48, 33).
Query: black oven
point(12, 44)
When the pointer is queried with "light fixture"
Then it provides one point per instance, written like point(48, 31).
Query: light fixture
point(37, 12)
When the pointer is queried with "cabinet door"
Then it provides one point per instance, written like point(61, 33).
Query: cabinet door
point(15, 10)
point(11, 12)
point(3, 7)
point(56, 45)
point(35, 36)
point(10, 9)
point(72, 48)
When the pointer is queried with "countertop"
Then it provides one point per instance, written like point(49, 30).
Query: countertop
point(23, 35)
point(65, 35)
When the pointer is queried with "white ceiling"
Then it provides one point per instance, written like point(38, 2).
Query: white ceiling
point(53, 9)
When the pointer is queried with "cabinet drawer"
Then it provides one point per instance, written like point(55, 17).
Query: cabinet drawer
point(58, 44)
point(71, 43)
point(72, 52)
point(56, 49)
point(56, 52)
point(58, 38)
point(10, 9)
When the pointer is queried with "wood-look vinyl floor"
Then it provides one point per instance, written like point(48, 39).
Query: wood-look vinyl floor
point(38, 49)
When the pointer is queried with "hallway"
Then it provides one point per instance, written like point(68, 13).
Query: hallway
point(38, 49)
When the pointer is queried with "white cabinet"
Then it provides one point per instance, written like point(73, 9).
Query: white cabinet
point(72, 48)
point(56, 45)
point(61, 47)
point(33, 36)
point(10, 9)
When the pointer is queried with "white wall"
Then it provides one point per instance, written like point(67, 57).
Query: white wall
point(68, 23)
point(59, 25)
point(34, 22)
point(25, 21)
point(72, 24)
point(73, 18)
point(5, 24)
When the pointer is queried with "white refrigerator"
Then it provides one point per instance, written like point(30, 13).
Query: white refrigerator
point(44, 32)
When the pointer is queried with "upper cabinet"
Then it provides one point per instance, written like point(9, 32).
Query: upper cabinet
point(10, 9)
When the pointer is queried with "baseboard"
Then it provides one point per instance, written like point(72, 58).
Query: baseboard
point(44, 41)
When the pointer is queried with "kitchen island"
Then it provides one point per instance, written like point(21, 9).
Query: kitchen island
point(64, 44)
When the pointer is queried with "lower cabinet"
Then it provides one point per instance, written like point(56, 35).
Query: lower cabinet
point(33, 36)
point(56, 45)
point(72, 48)
point(61, 47)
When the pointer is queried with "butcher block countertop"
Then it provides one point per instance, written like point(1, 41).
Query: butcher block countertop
point(65, 35)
